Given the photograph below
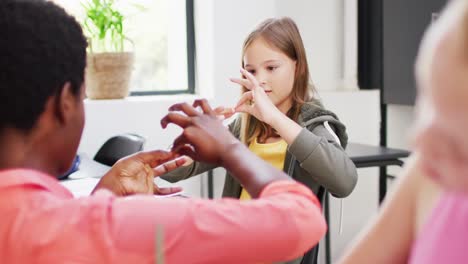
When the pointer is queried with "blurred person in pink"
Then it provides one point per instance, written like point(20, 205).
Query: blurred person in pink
point(425, 220)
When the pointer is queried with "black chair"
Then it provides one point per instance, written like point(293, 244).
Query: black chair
point(311, 256)
point(118, 147)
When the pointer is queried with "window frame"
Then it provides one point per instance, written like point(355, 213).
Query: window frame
point(189, 8)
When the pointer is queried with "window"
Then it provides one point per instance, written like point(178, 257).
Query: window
point(162, 37)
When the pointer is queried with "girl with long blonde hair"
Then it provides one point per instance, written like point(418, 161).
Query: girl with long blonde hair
point(281, 120)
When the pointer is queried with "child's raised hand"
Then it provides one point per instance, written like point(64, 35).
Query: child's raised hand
point(255, 101)
point(224, 112)
point(204, 138)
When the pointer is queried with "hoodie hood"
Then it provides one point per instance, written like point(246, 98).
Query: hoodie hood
point(314, 114)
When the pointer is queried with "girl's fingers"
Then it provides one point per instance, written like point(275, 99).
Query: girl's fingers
point(219, 110)
point(245, 109)
point(227, 115)
point(243, 82)
point(224, 112)
point(251, 78)
point(247, 97)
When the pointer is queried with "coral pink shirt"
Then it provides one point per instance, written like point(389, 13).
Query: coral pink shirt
point(444, 236)
point(41, 222)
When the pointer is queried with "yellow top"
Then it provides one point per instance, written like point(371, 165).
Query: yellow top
point(273, 153)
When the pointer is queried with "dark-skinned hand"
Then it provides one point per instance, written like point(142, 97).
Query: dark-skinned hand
point(135, 174)
point(204, 137)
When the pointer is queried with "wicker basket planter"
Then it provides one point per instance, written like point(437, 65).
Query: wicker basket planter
point(108, 75)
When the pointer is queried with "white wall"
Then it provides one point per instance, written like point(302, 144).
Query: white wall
point(221, 27)
point(232, 22)
point(320, 23)
point(399, 121)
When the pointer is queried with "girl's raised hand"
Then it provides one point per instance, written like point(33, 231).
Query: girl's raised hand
point(255, 101)
point(224, 112)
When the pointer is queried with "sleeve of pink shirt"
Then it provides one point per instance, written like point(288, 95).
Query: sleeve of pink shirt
point(282, 224)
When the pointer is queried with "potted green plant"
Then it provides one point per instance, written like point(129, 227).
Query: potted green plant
point(109, 66)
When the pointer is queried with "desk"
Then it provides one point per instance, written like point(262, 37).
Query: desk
point(365, 156)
